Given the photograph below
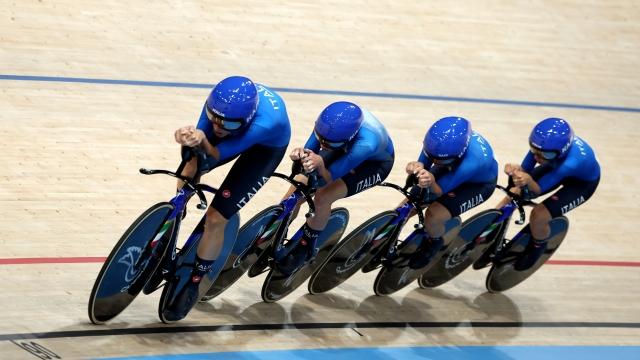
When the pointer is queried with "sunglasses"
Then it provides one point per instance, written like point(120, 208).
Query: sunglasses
point(547, 155)
point(329, 144)
point(448, 161)
point(230, 125)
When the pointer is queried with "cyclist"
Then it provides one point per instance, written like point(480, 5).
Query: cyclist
point(243, 120)
point(349, 152)
point(556, 158)
point(456, 168)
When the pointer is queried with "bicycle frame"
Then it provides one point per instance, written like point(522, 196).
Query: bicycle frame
point(517, 202)
point(280, 225)
point(163, 242)
point(395, 226)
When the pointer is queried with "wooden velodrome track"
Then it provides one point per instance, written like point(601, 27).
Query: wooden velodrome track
point(91, 91)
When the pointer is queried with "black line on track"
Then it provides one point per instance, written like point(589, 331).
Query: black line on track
point(310, 326)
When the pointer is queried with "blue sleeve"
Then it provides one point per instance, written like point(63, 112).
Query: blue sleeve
point(455, 178)
point(356, 155)
point(549, 180)
point(424, 160)
point(528, 163)
point(312, 144)
point(204, 124)
point(553, 178)
point(233, 146)
point(476, 166)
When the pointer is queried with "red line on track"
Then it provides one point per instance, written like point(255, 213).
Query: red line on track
point(57, 260)
point(100, 259)
point(594, 263)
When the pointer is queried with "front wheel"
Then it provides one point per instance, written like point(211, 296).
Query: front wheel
point(476, 235)
point(503, 276)
point(132, 261)
point(396, 275)
point(254, 239)
point(183, 266)
point(277, 285)
point(352, 253)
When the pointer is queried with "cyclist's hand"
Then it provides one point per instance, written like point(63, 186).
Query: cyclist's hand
point(312, 161)
point(183, 133)
point(521, 178)
point(297, 154)
point(509, 169)
point(195, 138)
point(413, 167)
point(425, 178)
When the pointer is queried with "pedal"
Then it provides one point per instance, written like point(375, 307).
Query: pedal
point(397, 262)
point(484, 261)
point(263, 271)
point(206, 298)
point(271, 263)
point(259, 267)
point(377, 266)
point(373, 264)
point(155, 282)
point(162, 284)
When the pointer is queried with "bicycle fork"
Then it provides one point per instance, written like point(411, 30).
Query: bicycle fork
point(500, 241)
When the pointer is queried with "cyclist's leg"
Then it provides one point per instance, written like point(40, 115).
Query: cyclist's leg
point(365, 176)
point(460, 200)
point(245, 178)
point(305, 249)
point(247, 175)
point(572, 194)
point(329, 157)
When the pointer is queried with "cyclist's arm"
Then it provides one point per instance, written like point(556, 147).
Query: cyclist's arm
point(210, 149)
point(534, 187)
point(426, 162)
point(445, 184)
point(528, 163)
point(356, 155)
point(207, 127)
point(460, 175)
point(312, 144)
point(204, 124)
point(436, 189)
point(233, 146)
point(190, 169)
point(325, 174)
point(551, 180)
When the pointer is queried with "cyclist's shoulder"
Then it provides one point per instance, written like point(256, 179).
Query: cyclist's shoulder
point(370, 121)
point(580, 148)
point(271, 103)
point(479, 138)
point(372, 130)
point(579, 155)
point(479, 151)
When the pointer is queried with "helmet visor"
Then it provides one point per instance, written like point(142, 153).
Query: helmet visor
point(330, 144)
point(230, 125)
point(436, 161)
point(547, 155)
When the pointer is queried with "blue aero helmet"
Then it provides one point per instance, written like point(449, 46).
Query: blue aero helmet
point(447, 140)
point(551, 138)
point(232, 103)
point(338, 124)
